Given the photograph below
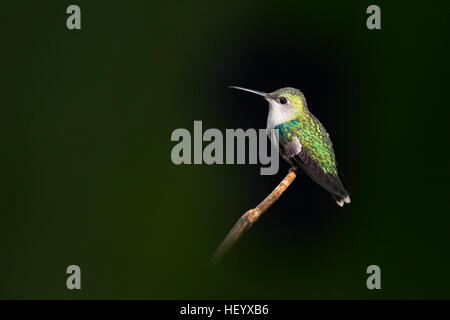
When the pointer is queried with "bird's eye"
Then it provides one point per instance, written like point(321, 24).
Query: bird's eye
point(283, 100)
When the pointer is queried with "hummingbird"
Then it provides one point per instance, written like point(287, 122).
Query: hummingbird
point(303, 140)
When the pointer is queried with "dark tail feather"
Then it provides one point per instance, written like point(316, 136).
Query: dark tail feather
point(346, 199)
point(341, 200)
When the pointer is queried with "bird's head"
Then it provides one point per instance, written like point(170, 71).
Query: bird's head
point(285, 104)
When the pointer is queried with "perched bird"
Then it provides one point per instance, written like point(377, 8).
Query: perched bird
point(303, 140)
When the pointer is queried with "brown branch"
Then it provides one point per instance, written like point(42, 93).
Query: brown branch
point(250, 217)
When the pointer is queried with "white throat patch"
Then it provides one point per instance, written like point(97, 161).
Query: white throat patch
point(279, 114)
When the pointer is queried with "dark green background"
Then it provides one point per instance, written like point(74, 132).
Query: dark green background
point(87, 177)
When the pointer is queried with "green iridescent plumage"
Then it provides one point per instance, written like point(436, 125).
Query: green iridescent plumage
point(313, 138)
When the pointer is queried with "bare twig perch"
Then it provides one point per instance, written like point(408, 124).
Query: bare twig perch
point(250, 217)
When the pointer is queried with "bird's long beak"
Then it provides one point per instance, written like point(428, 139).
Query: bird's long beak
point(260, 93)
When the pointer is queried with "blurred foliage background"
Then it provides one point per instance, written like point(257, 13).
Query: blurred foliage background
point(86, 172)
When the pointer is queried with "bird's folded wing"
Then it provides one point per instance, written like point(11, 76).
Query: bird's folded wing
point(329, 182)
